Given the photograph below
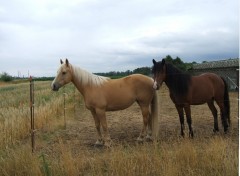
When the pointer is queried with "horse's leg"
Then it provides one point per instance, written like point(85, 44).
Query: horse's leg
point(102, 116)
point(214, 113)
point(149, 127)
point(145, 114)
point(189, 119)
point(223, 115)
point(97, 124)
point(181, 118)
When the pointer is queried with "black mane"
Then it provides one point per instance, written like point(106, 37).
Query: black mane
point(177, 81)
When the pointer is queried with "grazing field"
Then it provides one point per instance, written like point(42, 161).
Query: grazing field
point(69, 150)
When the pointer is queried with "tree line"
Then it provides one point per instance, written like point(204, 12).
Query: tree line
point(184, 66)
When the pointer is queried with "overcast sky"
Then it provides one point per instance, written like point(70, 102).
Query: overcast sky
point(108, 35)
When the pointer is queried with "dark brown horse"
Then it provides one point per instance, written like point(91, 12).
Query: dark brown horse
point(186, 90)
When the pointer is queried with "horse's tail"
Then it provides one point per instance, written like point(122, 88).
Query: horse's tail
point(154, 116)
point(226, 102)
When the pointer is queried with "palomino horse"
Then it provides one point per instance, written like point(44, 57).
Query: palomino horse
point(102, 94)
point(186, 90)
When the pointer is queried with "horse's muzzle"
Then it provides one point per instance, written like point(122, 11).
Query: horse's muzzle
point(155, 85)
point(55, 87)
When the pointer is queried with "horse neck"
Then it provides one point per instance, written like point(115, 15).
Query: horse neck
point(85, 80)
point(177, 81)
point(77, 79)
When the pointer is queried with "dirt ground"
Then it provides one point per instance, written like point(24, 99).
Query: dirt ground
point(125, 125)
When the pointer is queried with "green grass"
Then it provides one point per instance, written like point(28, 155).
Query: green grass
point(8, 88)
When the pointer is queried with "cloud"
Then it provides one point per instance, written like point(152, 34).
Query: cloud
point(114, 35)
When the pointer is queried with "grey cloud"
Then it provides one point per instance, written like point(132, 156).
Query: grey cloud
point(114, 35)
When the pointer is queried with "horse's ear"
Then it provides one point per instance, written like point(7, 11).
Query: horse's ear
point(163, 61)
point(154, 62)
point(61, 62)
point(67, 63)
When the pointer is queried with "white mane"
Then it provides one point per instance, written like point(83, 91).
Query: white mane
point(87, 78)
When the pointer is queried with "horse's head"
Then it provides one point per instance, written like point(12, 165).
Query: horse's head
point(159, 73)
point(64, 75)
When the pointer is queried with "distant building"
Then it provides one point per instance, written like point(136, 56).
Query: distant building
point(228, 69)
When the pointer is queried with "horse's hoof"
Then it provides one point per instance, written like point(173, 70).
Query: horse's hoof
point(140, 140)
point(98, 143)
point(182, 135)
point(149, 138)
point(191, 134)
point(215, 130)
point(98, 146)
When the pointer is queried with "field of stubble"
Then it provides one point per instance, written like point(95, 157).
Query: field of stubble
point(71, 151)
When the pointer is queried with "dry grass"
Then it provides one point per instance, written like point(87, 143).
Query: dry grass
point(70, 151)
point(15, 113)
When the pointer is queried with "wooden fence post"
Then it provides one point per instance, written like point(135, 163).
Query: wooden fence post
point(32, 112)
point(64, 108)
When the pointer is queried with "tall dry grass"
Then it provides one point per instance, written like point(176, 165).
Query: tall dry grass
point(15, 113)
point(217, 156)
point(58, 154)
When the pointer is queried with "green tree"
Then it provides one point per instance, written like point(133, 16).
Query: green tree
point(6, 77)
point(169, 59)
point(177, 62)
point(143, 70)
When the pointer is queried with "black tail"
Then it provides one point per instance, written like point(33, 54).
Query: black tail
point(226, 102)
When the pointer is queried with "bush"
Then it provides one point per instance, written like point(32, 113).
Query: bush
point(6, 77)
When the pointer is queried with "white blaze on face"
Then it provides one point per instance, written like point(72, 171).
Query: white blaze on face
point(155, 85)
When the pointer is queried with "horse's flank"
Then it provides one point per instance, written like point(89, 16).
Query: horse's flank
point(206, 87)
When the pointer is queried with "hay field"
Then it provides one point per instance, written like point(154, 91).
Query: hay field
point(70, 150)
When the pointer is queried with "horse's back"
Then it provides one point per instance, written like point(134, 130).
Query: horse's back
point(206, 87)
point(134, 84)
point(132, 81)
point(139, 80)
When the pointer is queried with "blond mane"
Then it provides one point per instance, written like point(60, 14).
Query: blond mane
point(87, 78)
